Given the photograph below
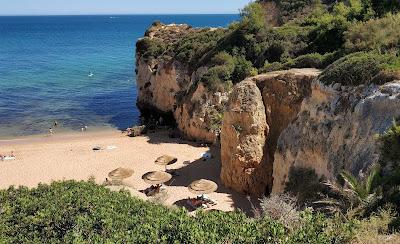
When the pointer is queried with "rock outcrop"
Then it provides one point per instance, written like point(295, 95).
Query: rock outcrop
point(243, 138)
point(259, 109)
point(170, 88)
point(335, 130)
point(270, 122)
point(199, 117)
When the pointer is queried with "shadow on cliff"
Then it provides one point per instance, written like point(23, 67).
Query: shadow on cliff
point(161, 136)
point(210, 169)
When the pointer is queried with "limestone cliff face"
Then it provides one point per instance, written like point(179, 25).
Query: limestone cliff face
point(258, 110)
point(159, 82)
point(270, 122)
point(243, 138)
point(200, 115)
point(335, 130)
point(169, 87)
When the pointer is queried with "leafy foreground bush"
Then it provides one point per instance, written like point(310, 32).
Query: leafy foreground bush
point(83, 212)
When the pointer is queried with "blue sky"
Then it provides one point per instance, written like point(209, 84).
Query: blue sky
point(54, 7)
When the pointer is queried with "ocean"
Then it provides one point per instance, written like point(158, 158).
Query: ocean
point(76, 70)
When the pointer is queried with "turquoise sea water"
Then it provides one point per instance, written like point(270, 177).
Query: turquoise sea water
point(45, 62)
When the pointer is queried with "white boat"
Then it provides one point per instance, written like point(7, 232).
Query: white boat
point(90, 74)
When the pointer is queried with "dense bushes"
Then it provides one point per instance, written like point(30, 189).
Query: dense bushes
point(147, 47)
point(314, 38)
point(83, 212)
point(360, 68)
point(193, 46)
point(390, 145)
point(381, 35)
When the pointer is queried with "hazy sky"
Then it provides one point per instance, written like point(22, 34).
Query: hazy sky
point(51, 7)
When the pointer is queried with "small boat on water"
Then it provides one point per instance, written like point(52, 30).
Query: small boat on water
point(90, 74)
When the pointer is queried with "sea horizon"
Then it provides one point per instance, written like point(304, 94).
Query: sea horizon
point(118, 14)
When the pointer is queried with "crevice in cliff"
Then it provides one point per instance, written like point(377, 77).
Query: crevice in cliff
point(282, 96)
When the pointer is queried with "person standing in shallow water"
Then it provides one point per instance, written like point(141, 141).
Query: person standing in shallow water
point(50, 131)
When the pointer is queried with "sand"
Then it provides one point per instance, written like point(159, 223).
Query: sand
point(43, 159)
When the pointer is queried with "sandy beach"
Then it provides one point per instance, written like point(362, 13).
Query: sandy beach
point(42, 159)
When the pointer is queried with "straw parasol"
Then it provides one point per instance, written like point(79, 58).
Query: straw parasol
point(165, 160)
point(120, 173)
point(156, 177)
point(203, 186)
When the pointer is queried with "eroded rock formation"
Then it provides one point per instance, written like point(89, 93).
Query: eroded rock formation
point(336, 129)
point(243, 138)
point(170, 88)
point(271, 122)
point(258, 110)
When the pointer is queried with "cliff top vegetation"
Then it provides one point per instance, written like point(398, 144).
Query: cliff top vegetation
point(282, 34)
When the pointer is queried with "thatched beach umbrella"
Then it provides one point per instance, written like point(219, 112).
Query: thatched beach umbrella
point(156, 177)
point(120, 174)
point(202, 187)
point(166, 160)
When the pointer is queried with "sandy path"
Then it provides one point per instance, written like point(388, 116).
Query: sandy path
point(70, 156)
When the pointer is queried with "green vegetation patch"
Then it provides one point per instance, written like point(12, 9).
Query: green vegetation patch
point(390, 145)
point(194, 45)
point(360, 68)
point(150, 48)
point(83, 212)
point(381, 35)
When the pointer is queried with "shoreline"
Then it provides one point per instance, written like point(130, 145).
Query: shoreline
point(60, 135)
point(69, 156)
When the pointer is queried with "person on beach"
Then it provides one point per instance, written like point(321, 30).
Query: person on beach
point(55, 123)
point(50, 131)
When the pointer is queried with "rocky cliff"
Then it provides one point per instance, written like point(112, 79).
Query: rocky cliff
point(268, 123)
point(259, 109)
point(335, 130)
point(171, 88)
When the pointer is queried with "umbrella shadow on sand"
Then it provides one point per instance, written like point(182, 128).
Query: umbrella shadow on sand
point(210, 169)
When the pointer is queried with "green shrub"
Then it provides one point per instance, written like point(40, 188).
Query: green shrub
point(381, 35)
point(217, 77)
point(253, 18)
point(243, 69)
point(83, 212)
point(313, 60)
point(327, 34)
point(147, 47)
point(290, 9)
point(358, 68)
point(191, 48)
point(390, 146)
point(223, 58)
point(270, 67)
